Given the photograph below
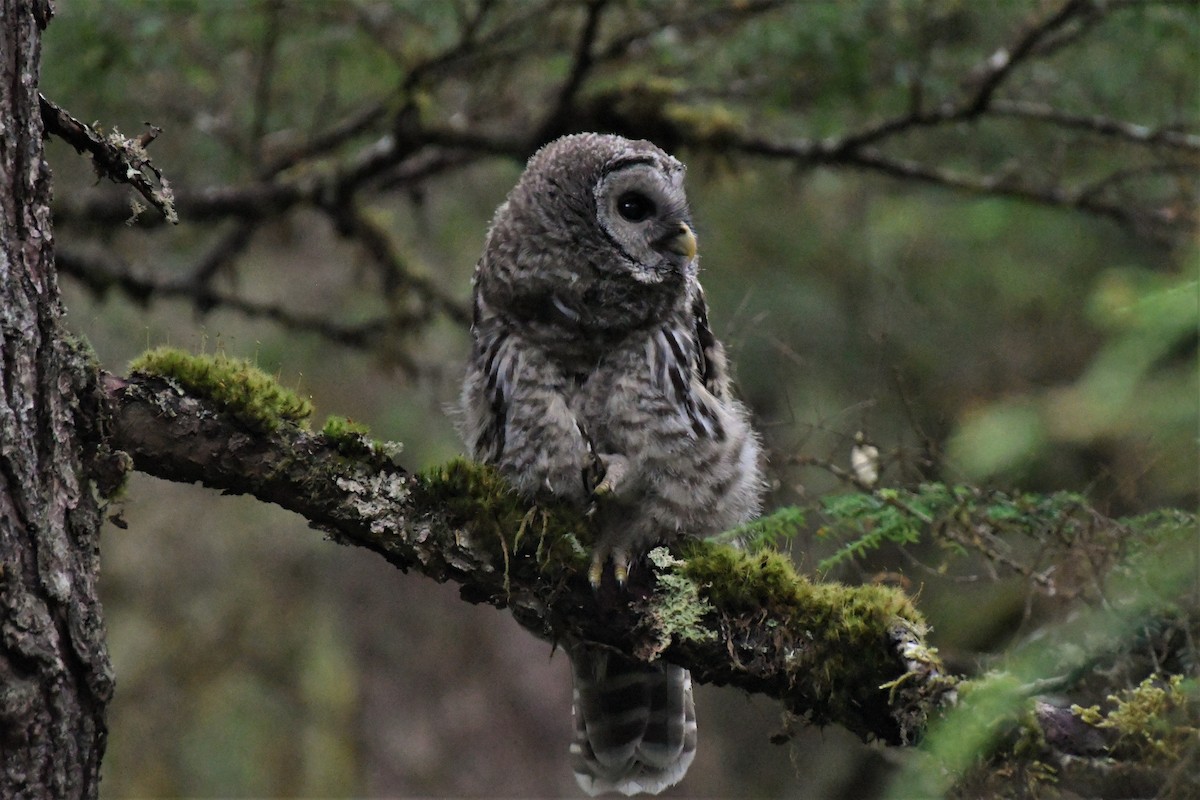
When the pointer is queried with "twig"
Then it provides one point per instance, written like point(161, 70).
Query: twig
point(691, 23)
point(116, 157)
point(988, 76)
point(396, 274)
point(102, 273)
point(1104, 126)
point(220, 256)
point(262, 83)
point(353, 125)
point(580, 65)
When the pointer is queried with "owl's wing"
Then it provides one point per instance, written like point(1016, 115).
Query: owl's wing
point(685, 357)
point(711, 366)
point(488, 387)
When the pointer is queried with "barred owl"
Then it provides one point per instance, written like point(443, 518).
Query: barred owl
point(594, 377)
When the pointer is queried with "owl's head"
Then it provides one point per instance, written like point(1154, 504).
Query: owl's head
point(596, 235)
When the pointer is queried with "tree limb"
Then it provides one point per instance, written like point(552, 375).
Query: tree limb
point(1098, 124)
point(854, 656)
point(100, 272)
point(987, 77)
point(116, 157)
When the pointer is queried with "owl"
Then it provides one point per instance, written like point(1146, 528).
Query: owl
point(595, 378)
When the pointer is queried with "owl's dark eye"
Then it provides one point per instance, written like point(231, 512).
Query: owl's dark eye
point(635, 206)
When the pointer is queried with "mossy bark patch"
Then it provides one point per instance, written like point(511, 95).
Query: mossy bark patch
point(835, 636)
point(234, 384)
point(476, 497)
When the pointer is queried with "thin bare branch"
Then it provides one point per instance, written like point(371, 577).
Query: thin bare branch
point(1094, 123)
point(261, 105)
point(116, 157)
point(1010, 184)
point(102, 273)
point(580, 66)
point(346, 129)
point(691, 23)
point(397, 273)
point(987, 78)
point(220, 256)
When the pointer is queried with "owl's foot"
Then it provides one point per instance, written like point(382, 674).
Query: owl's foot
point(615, 469)
point(620, 561)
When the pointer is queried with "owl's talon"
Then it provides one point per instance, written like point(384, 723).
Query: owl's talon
point(596, 572)
point(620, 562)
point(620, 566)
point(615, 469)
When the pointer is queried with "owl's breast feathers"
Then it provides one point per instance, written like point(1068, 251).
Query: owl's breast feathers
point(678, 362)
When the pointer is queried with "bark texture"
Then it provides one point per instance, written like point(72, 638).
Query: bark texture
point(55, 676)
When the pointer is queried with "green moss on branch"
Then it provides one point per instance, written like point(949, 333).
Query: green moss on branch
point(234, 384)
point(840, 638)
point(476, 497)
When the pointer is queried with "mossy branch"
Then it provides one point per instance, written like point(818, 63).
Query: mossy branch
point(829, 653)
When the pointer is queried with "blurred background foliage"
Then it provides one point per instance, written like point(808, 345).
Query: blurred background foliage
point(999, 289)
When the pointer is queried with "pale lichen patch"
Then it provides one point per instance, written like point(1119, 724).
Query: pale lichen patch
point(675, 609)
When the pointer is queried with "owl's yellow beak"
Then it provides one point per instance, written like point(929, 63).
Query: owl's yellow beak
point(683, 243)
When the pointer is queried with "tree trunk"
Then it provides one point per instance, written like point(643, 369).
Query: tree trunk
point(55, 676)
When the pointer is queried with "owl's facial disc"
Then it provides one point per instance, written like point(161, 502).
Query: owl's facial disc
point(642, 209)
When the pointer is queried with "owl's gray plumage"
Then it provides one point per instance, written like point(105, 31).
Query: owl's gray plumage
point(594, 372)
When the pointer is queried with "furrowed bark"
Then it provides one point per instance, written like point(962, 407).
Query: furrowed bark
point(55, 676)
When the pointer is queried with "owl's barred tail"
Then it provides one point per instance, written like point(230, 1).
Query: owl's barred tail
point(635, 723)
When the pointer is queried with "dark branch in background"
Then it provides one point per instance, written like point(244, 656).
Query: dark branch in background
point(356, 124)
point(101, 273)
point(117, 158)
point(581, 64)
point(403, 149)
point(987, 77)
point(262, 84)
point(1118, 129)
point(398, 276)
point(219, 258)
point(689, 23)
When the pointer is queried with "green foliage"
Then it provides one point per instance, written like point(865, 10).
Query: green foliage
point(868, 521)
point(1141, 385)
point(1156, 720)
point(960, 518)
point(235, 384)
point(1151, 589)
point(771, 531)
